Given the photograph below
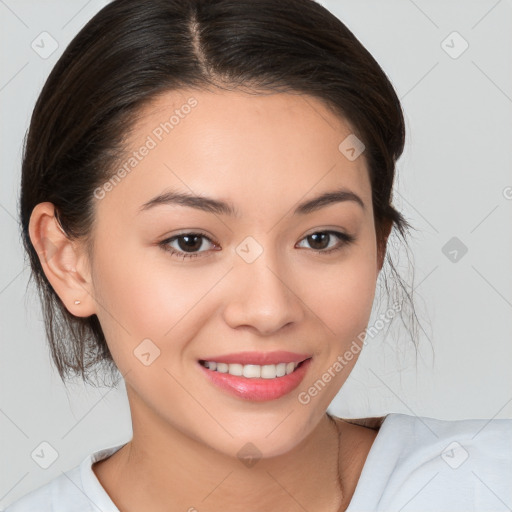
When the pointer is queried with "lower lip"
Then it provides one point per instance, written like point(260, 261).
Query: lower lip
point(257, 389)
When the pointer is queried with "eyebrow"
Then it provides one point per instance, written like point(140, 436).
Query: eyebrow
point(211, 205)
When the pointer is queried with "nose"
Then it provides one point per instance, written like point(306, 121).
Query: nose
point(263, 295)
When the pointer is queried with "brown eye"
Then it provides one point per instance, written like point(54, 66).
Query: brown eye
point(186, 245)
point(320, 241)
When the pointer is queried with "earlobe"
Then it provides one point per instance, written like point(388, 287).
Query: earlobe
point(62, 260)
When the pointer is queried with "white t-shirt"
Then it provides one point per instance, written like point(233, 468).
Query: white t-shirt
point(415, 464)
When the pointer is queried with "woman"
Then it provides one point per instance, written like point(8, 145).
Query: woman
point(206, 202)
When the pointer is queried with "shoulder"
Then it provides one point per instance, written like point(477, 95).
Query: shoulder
point(76, 490)
point(64, 491)
point(476, 438)
point(435, 464)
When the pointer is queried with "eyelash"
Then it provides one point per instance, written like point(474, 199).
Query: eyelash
point(345, 238)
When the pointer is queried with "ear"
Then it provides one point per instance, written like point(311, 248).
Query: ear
point(382, 242)
point(64, 262)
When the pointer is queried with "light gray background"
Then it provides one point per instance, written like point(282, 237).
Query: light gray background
point(455, 180)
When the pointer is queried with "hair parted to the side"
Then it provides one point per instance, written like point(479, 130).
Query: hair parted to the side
point(132, 51)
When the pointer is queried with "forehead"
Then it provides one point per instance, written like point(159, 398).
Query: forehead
point(273, 148)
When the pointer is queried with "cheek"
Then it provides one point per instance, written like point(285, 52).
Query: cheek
point(127, 304)
point(349, 299)
point(131, 294)
point(344, 294)
point(142, 295)
point(343, 302)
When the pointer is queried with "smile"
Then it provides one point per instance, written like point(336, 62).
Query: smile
point(256, 376)
point(252, 371)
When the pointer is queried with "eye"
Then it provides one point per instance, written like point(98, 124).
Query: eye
point(187, 245)
point(320, 241)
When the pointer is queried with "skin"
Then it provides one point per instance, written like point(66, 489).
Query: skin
point(264, 154)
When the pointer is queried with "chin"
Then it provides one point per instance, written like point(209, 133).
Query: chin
point(263, 441)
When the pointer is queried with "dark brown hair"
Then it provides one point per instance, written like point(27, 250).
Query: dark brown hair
point(132, 51)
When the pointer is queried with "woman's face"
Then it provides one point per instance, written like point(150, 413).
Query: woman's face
point(257, 275)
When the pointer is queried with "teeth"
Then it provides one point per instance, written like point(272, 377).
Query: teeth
point(221, 367)
point(253, 371)
point(236, 369)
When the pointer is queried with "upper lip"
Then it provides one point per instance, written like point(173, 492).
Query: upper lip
point(259, 358)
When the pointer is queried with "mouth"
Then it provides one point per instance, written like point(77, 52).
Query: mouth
point(256, 382)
